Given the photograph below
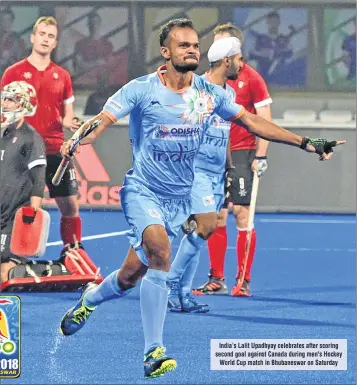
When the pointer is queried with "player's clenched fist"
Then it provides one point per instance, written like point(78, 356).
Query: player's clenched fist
point(65, 149)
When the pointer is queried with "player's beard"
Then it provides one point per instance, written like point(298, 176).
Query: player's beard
point(233, 75)
point(183, 68)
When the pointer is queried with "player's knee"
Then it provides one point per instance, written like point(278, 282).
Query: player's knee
point(222, 218)
point(241, 213)
point(68, 206)
point(156, 245)
point(158, 252)
point(206, 227)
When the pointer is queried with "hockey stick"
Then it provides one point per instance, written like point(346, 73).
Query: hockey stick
point(65, 161)
point(253, 201)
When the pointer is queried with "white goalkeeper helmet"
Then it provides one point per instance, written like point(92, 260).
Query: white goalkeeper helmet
point(24, 96)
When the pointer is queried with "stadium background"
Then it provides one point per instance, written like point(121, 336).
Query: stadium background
point(312, 91)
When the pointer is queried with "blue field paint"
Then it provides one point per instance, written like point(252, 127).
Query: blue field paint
point(301, 292)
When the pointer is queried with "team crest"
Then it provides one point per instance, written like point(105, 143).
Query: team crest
point(27, 75)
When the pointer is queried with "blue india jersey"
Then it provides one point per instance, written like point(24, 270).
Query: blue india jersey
point(211, 157)
point(166, 128)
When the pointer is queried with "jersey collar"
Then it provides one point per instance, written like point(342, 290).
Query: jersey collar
point(161, 70)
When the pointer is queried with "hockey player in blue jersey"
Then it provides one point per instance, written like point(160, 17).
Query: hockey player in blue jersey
point(168, 110)
point(207, 195)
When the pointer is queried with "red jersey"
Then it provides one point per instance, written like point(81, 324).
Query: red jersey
point(251, 92)
point(54, 89)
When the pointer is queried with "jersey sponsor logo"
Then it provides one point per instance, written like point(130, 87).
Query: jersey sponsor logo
point(218, 122)
point(176, 132)
point(209, 200)
point(181, 154)
point(112, 103)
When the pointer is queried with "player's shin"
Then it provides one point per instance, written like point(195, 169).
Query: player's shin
point(245, 257)
point(109, 289)
point(153, 304)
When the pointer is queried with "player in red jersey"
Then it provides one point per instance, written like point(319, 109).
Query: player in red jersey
point(53, 86)
point(248, 154)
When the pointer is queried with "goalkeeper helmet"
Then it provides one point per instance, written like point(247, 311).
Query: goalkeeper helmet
point(25, 102)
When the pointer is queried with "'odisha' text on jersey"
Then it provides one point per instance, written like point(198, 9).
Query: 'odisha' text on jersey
point(54, 89)
point(166, 128)
point(211, 157)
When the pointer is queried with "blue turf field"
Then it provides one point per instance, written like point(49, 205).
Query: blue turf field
point(303, 286)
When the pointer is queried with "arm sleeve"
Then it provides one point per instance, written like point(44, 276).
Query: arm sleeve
point(225, 107)
point(259, 91)
point(124, 100)
point(38, 177)
point(36, 149)
point(68, 96)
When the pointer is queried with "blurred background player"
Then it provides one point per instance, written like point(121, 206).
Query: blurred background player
point(248, 153)
point(213, 158)
point(272, 48)
point(349, 50)
point(22, 181)
point(94, 50)
point(54, 111)
point(12, 47)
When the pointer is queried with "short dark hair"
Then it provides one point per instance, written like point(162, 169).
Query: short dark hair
point(170, 25)
point(231, 29)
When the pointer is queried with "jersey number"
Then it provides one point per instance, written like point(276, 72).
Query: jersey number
point(72, 174)
point(2, 154)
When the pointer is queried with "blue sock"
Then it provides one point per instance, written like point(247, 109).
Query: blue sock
point(189, 274)
point(153, 304)
point(187, 253)
point(107, 290)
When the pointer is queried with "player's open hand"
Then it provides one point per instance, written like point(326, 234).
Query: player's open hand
point(322, 147)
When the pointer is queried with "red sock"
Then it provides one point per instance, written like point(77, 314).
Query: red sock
point(71, 229)
point(241, 246)
point(217, 246)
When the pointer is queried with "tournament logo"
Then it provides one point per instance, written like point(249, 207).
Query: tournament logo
point(9, 337)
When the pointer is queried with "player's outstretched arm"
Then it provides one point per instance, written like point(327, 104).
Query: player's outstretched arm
point(105, 123)
point(274, 133)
